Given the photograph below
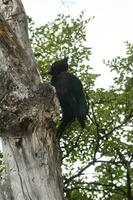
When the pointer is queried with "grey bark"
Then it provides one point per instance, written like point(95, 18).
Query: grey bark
point(28, 112)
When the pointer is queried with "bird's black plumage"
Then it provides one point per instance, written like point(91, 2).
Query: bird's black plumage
point(59, 66)
point(70, 93)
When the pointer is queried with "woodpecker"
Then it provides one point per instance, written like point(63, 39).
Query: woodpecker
point(71, 96)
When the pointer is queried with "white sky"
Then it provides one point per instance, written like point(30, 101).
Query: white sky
point(111, 27)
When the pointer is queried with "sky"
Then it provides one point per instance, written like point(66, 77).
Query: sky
point(106, 33)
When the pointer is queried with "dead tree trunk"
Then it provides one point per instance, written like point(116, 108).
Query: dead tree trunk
point(28, 111)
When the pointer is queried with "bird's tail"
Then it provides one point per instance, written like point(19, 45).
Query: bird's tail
point(82, 112)
point(82, 123)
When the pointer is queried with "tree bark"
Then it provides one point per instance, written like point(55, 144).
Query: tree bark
point(28, 112)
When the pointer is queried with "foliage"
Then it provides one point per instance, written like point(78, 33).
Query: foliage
point(97, 161)
point(63, 37)
point(76, 194)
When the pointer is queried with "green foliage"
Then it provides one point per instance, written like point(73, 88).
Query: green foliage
point(76, 194)
point(63, 37)
point(97, 161)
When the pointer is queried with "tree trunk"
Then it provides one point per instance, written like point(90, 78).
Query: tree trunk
point(28, 112)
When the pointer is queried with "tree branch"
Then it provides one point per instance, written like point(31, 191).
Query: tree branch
point(76, 144)
point(79, 172)
point(78, 185)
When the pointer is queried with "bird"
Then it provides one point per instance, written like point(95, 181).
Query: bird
point(70, 93)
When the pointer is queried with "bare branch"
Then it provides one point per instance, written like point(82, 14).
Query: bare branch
point(79, 172)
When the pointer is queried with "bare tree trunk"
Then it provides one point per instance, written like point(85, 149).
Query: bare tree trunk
point(28, 112)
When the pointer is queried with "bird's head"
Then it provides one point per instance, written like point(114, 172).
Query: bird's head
point(58, 67)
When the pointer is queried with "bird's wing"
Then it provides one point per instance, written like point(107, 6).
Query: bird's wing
point(78, 93)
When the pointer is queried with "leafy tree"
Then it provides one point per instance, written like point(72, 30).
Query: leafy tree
point(106, 144)
point(63, 37)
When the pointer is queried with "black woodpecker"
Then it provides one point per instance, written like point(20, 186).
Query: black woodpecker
point(71, 96)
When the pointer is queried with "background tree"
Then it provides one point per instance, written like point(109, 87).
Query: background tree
point(104, 148)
